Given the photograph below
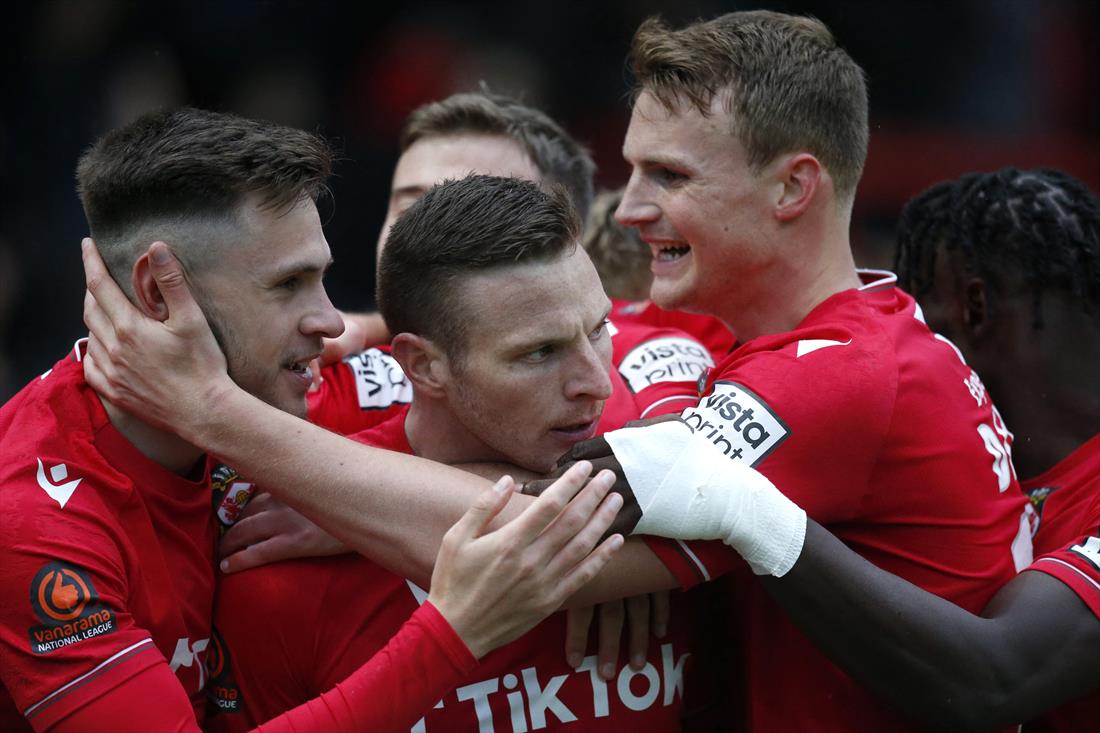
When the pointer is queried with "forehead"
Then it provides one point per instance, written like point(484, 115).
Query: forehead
point(683, 134)
point(531, 302)
point(434, 159)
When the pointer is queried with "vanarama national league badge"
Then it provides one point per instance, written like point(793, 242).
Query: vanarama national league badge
point(65, 600)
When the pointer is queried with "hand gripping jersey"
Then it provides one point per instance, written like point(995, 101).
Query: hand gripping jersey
point(106, 558)
point(708, 330)
point(328, 615)
point(655, 373)
point(878, 429)
point(1067, 501)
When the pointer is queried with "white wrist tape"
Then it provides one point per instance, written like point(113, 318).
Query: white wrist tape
point(688, 489)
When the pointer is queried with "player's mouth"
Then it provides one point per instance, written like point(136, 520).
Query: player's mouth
point(668, 257)
point(576, 432)
point(301, 369)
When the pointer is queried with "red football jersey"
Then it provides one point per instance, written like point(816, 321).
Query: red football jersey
point(714, 334)
point(879, 430)
point(1067, 500)
point(106, 558)
point(329, 615)
point(655, 373)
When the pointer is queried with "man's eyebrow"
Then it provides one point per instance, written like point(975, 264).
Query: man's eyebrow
point(299, 267)
point(411, 190)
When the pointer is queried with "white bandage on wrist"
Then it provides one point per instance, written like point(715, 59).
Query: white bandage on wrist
point(688, 489)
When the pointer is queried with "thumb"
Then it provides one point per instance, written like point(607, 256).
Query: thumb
point(488, 504)
point(170, 279)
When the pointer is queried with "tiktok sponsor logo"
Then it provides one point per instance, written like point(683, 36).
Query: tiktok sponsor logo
point(379, 380)
point(533, 702)
point(666, 359)
point(737, 422)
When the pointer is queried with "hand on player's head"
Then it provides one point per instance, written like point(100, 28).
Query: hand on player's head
point(153, 368)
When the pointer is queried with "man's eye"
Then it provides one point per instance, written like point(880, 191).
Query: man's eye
point(540, 354)
point(599, 330)
point(291, 283)
point(669, 176)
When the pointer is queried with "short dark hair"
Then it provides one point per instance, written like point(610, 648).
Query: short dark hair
point(457, 228)
point(1042, 226)
point(620, 256)
point(182, 174)
point(558, 156)
point(793, 88)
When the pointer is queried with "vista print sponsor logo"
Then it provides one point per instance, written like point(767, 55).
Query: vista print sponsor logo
point(379, 380)
point(64, 599)
point(665, 359)
point(737, 422)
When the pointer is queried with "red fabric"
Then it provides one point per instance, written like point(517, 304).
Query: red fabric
point(335, 612)
point(1067, 546)
point(424, 659)
point(359, 392)
point(872, 424)
point(111, 584)
point(714, 334)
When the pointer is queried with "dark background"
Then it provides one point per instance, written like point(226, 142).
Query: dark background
point(955, 86)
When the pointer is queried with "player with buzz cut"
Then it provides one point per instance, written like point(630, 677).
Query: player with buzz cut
point(107, 534)
point(746, 142)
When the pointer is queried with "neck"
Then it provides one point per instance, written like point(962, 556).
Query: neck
point(798, 281)
point(164, 448)
point(434, 433)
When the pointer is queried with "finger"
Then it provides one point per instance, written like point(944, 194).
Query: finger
point(95, 378)
point(610, 632)
point(575, 516)
point(100, 283)
point(661, 608)
point(172, 283)
point(637, 630)
point(488, 504)
point(259, 503)
point(537, 486)
point(584, 540)
point(578, 621)
point(266, 552)
point(99, 325)
point(651, 420)
point(247, 531)
point(587, 569)
point(586, 450)
point(550, 504)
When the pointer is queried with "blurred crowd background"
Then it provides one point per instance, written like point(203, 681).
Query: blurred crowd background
point(955, 86)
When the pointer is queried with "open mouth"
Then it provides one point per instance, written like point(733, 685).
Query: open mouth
point(663, 253)
point(301, 368)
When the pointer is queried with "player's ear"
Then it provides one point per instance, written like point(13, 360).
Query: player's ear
point(799, 176)
point(976, 306)
point(425, 364)
point(147, 295)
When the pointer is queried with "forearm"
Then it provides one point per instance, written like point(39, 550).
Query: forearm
point(389, 506)
point(936, 661)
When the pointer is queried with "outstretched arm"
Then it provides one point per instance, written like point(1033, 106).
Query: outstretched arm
point(393, 507)
point(1034, 647)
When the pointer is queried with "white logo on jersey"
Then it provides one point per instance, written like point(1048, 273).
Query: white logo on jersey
point(1090, 550)
point(57, 491)
point(809, 346)
point(738, 422)
point(665, 359)
point(530, 699)
point(379, 380)
point(187, 654)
